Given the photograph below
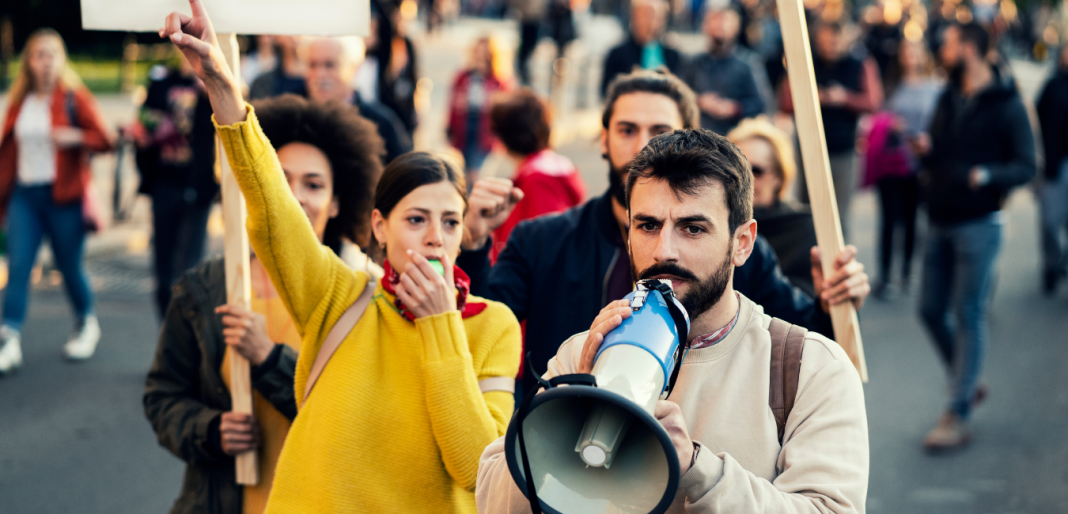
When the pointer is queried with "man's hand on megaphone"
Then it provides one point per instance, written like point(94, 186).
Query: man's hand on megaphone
point(490, 203)
point(609, 318)
point(670, 417)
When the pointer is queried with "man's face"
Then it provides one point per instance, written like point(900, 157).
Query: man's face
point(721, 27)
point(829, 43)
point(636, 118)
point(646, 21)
point(684, 238)
point(329, 72)
point(951, 50)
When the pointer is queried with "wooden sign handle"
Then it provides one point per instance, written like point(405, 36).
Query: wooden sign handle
point(814, 155)
point(238, 284)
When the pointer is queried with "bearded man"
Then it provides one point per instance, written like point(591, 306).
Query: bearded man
point(690, 205)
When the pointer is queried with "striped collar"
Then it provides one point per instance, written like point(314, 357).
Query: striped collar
point(711, 338)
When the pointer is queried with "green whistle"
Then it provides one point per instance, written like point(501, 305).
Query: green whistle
point(438, 267)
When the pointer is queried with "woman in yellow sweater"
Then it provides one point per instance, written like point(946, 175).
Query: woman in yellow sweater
point(419, 387)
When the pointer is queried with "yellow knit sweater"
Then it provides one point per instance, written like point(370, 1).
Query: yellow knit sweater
point(396, 422)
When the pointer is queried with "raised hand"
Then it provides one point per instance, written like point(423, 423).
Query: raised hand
point(196, 39)
point(491, 202)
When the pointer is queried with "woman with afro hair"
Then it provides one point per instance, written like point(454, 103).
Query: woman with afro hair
point(331, 160)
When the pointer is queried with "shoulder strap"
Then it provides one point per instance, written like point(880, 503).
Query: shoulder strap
point(787, 342)
point(337, 333)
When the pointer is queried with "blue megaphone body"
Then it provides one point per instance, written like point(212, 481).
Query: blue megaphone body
point(595, 446)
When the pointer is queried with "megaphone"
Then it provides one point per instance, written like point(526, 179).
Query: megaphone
point(590, 443)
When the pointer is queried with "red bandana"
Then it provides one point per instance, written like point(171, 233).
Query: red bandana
point(460, 280)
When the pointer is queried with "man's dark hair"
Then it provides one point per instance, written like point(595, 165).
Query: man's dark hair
point(659, 82)
point(975, 34)
point(693, 158)
point(350, 143)
point(521, 121)
point(833, 26)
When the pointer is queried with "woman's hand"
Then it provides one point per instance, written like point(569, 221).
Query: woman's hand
point(423, 291)
point(246, 332)
point(67, 137)
point(238, 433)
point(195, 37)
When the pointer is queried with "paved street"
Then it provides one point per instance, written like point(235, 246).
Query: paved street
point(74, 438)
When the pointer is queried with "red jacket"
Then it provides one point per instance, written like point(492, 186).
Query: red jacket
point(457, 128)
point(550, 184)
point(72, 165)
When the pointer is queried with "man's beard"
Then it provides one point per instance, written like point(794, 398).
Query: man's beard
point(703, 294)
point(616, 188)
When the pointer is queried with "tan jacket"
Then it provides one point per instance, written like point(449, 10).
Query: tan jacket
point(822, 465)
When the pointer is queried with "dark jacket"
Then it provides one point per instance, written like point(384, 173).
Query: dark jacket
point(729, 77)
point(792, 234)
point(553, 274)
point(628, 55)
point(185, 393)
point(991, 130)
point(1053, 118)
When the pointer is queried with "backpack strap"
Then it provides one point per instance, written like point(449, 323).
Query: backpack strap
point(72, 108)
point(787, 342)
point(337, 334)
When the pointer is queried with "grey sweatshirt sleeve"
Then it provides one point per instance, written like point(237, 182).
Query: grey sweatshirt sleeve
point(823, 465)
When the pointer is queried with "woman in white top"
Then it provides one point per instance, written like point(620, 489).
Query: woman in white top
point(52, 124)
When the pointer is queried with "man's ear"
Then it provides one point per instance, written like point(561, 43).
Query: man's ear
point(744, 241)
point(604, 144)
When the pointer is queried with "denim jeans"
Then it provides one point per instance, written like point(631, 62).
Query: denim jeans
point(179, 233)
point(958, 272)
point(1054, 198)
point(30, 216)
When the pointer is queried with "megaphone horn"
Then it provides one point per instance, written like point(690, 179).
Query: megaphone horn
point(595, 446)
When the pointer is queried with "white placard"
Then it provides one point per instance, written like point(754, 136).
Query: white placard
point(276, 17)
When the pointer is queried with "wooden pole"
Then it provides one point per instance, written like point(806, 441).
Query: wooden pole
point(809, 124)
point(238, 284)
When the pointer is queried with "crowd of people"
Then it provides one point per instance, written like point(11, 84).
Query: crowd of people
point(434, 292)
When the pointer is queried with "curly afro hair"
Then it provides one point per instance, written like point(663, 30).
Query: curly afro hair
point(351, 144)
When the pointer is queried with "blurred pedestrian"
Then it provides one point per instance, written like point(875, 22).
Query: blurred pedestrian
point(786, 226)
point(391, 65)
point(261, 59)
point(53, 123)
point(531, 14)
point(643, 48)
point(330, 158)
point(287, 74)
point(1053, 117)
point(332, 62)
point(848, 87)
point(981, 148)
point(725, 84)
point(549, 181)
point(894, 139)
point(421, 381)
point(472, 92)
point(176, 159)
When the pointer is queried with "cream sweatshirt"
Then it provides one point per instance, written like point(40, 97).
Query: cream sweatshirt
point(723, 393)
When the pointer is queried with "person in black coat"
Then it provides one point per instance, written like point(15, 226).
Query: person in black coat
point(981, 148)
point(642, 49)
point(1053, 118)
point(557, 272)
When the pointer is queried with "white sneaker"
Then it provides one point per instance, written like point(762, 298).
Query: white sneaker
point(82, 343)
point(10, 350)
